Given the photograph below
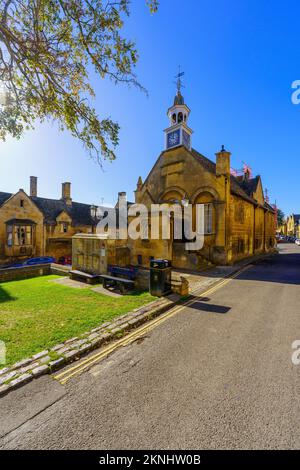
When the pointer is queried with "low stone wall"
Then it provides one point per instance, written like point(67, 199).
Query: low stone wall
point(26, 272)
point(142, 279)
point(179, 284)
point(60, 270)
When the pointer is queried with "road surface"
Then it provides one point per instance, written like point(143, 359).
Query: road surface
point(216, 375)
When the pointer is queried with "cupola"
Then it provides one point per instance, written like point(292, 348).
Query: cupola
point(178, 133)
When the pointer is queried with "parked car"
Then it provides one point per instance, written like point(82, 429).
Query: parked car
point(39, 260)
point(30, 262)
point(290, 239)
point(297, 241)
point(12, 265)
point(65, 260)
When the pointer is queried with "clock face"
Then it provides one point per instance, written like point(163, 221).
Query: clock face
point(186, 139)
point(173, 138)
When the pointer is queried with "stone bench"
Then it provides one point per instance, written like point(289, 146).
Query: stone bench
point(80, 275)
point(120, 282)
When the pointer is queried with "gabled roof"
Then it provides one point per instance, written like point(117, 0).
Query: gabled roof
point(4, 197)
point(235, 185)
point(237, 189)
point(249, 185)
point(206, 162)
point(297, 217)
point(80, 213)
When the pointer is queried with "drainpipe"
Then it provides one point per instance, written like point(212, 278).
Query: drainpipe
point(253, 241)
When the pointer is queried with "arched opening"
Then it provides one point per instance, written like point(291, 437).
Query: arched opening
point(173, 197)
point(174, 118)
point(180, 117)
point(207, 199)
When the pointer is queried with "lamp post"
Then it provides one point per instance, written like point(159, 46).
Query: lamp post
point(94, 210)
point(185, 201)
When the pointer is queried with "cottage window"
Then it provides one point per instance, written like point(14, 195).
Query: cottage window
point(22, 235)
point(21, 202)
point(64, 227)
point(9, 235)
point(208, 218)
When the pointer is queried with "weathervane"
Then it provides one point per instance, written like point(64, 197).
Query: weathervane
point(178, 82)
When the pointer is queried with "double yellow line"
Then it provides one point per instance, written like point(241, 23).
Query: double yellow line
point(66, 375)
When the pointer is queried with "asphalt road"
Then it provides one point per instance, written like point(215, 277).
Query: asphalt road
point(216, 375)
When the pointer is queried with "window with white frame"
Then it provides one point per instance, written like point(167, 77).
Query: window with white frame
point(208, 218)
point(9, 235)
point(64, 227)
point(19, 235)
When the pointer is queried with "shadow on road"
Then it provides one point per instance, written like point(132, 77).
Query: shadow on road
point(282, 268)
point(200, 305)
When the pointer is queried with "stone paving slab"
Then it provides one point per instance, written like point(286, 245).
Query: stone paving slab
point(109, 293)
point(66, 281)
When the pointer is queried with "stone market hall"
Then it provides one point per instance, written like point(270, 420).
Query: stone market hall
point(239, 221)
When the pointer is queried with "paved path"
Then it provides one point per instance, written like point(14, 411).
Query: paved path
point(216, 375)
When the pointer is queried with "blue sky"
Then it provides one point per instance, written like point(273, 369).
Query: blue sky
point(239, 57)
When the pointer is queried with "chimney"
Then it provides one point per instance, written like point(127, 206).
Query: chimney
point(66, 193)
point(122, 215)
point(33, 186)
point(122, 198)
point(223, 162)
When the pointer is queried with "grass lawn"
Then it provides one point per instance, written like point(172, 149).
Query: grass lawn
point(36, 314)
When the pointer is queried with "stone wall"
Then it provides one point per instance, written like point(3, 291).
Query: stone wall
point(142, 279)
point(25, 272)
point(93, 254)
point(241, 228)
